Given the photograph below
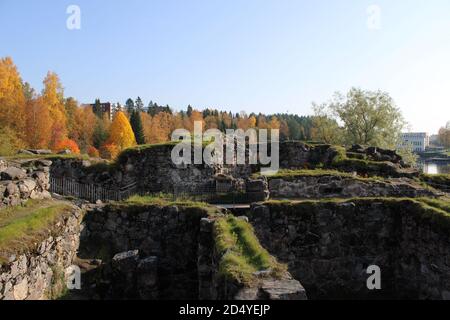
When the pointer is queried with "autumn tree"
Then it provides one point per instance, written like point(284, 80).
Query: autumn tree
point(71, 107)
point(9, 142)
point(67, 144)
point(53, 98)
point(12, 98)
point(146, 120)
point(162, 127)
point(284, 130)
point(211, 122)
point(39, 124)
point(28, 92)
point(101, 130)
point(84, 125)
point(121, 133)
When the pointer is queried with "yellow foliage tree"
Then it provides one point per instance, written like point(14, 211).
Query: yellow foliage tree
point(53, 98)
point(12, 98)
point(147, 126)
point(162, 127)
point(211, 122)
point(274, 123)
point(121, 133)
point(83, 126)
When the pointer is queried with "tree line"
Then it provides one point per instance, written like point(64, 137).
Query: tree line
point(49, 120)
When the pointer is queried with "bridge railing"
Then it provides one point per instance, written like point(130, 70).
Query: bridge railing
point(94, 192)
point(91, 192)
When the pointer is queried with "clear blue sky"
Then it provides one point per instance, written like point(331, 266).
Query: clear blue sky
point(251, 55)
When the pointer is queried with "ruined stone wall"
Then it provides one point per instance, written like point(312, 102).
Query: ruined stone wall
point(315, 187)
point(167, 233)
point(329, 246)
point(154, 171)
point(150, 169)
point(38, 272)
point(24, 180)
point(213, 286)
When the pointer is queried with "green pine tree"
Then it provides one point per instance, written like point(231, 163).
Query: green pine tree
point(136, 124)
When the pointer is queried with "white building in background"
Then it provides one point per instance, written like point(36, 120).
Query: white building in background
point(419, 141)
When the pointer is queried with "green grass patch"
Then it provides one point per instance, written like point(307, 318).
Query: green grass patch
point(242, 254)
point(290, 175)
point(425, 210)
point(365, 167)
point(441, 204)
point(22, 227)
point(437, 179)
point(164, 200)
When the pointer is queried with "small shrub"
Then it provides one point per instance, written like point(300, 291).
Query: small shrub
point(67, 144)
point(109, 151)
point(93, 152)
point(10, 143)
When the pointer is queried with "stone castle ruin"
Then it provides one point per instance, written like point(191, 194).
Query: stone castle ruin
point(311, 231)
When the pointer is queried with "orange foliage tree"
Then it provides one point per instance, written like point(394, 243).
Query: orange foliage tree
point(39, 124)
point(83, 126)
point(93, 152)
point(109, 151)
point(67, 144)
point(53, 98)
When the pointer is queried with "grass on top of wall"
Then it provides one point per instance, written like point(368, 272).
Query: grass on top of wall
point(294, 174)
point(164, 200)
point(22, 227)
point(241, 253)
point(438, 179)
point(436, 211)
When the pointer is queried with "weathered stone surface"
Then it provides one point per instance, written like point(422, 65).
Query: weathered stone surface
point(147, 278)
point(21, 290)
point(32, 183)
point(13, 173)
point(3, 165)
point(213, 286)
point(30, 275)
point(283, 290)
point(125, 261)
point(167, 238)
point(27, 152)
point(11, 189)
point(314, 187)
point(328, 246)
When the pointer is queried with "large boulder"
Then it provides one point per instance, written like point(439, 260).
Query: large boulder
point(35, 152)
point(13, 173)
point(3, 165)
